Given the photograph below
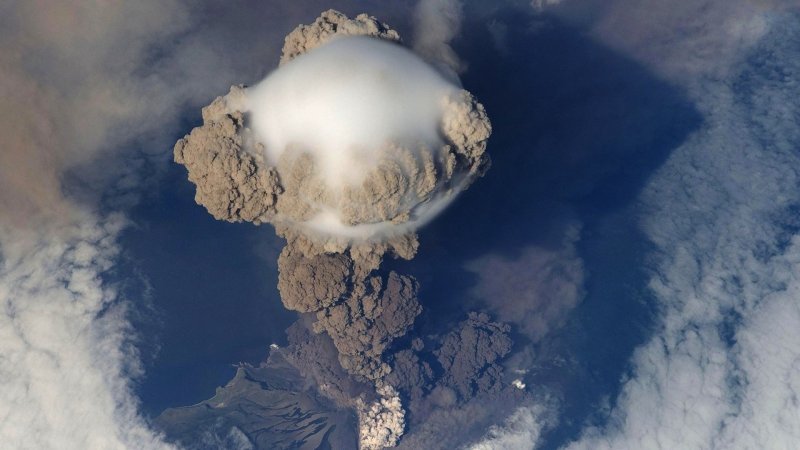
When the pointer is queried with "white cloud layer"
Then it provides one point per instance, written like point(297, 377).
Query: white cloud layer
point(721, 372)
point(66, 358)
point(79, 82)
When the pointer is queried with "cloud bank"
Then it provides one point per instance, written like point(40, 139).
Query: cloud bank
point(67, 354)
point(89, 95)
point(720, 371)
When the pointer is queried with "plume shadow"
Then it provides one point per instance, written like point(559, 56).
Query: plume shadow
point(578, 131)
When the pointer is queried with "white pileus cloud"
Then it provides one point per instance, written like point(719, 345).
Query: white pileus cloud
point(360, 106)
point(346, 100)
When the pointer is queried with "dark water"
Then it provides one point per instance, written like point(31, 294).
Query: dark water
point(213, 294)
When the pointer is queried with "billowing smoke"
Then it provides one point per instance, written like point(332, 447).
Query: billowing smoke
point(358, 140)
point(347, 148)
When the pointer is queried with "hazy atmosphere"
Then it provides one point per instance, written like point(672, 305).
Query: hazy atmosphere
point(419, 224)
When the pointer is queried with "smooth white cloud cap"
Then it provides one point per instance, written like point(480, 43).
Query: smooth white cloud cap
point(345, 100)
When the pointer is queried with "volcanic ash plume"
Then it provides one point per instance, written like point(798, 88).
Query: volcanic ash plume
point(347, 148)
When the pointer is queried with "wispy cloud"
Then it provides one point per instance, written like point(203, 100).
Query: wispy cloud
point(684, 40)
point(521, 430)
point(536, 290)
point(436, 24)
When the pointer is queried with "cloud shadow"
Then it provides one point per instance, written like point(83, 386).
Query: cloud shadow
point(578, 131)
